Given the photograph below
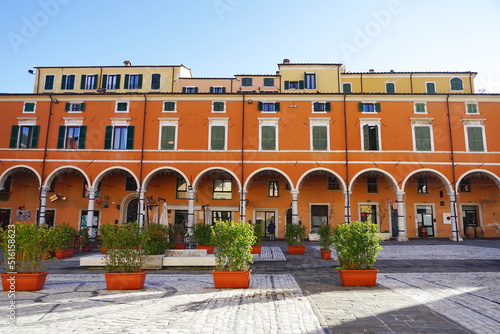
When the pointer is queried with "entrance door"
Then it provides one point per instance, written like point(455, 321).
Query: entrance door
point(394, 222)
point(470, 216)
point(368, 213)
point(132, 211)
point(4, 217)
point(181, 217)
point(319, 216)
point(425, 218)
point(264, 218)
point(95, 224)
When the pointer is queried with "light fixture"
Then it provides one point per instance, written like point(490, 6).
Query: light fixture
point(55, 101)
point(190, 187)
point(250, 101)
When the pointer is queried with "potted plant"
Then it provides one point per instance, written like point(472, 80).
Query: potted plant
point(325, 241)
point(85, 241)
point(203, 235)
point(258, 232)
point(61, 240)
point(154, 242)
point(294, 238)
point(357, 245)
point(124, 258)
point(25, 247)
point(177, 235)
point(233, 243)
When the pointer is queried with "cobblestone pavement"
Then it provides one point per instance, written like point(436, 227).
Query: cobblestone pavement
point(424, 286)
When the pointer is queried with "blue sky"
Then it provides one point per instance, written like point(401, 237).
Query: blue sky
point(226, 37)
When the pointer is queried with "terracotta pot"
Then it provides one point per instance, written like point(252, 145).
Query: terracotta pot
point(125, 281)
point(86, 248)
point(209, 248)
point(180, 246)
point(363, 277)
point(103, 250)
point(297, 249)
point(231, 279)
point(326, 254)
point(24, 281)
point(64, 253)
point(256, 249)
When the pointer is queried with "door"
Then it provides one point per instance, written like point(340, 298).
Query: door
point(425, 218)
point(95, 224)
point(181, 217)
point(132, 211)
point(4, 217)
point(264, 218)
point(394, 222)
point(470, 216)
point(319, 216)
point(368, 213)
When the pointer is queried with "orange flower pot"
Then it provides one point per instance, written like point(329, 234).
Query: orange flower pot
point(24, 281)
point(125, 281)
point(297, 249)
point(180, 246)
point(64, 253)
point(326, 254)
point(209, 248)
point(363, 277)
point(256, 249)
point(231, 279)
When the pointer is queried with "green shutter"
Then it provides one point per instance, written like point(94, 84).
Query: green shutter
point(71, 82)
point(260, 106)
point(83, 136)
point(96, 77)
point(361, 106)
point(184, 89)
point(14, 134)
point(301, 84)
point(347, 88)
point(366, 137)
point(60, 137)
point(67, 107)
point(218, 106)
point(277, 106)
point(34, 137)
point(196, 89)
point(82, 81)
point(49, 82)
point(118, 78)
point(217, 137)
point(475, 138)
point(29, 107)
point(268, 138)
point(328, 106)
point(104, 81)
point(63, 82)
point(390, 88)
point(169, 106)
point(431, 88)
point(378, 108)
point(319, 134)
point(130, 137)
point(316, 106)
point(82, 106)
point(167, 137)
point(140, 81)
point(223, 89)
point(108, 137)
point(125, 85)
point(423, 138)
point(287, 84)
point(211, 89)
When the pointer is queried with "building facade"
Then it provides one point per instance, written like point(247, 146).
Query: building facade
point(414, 152)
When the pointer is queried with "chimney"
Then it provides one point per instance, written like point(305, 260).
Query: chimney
point(127, 63)
point(372, 70)
point(286, 61)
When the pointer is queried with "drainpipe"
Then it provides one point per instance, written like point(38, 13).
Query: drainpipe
point(361, 82)
point(43, 190)
point(242, 191)
point(172, 88)
point(411, 82)
point(347, 195)
point(453, 196)
point(140, 212)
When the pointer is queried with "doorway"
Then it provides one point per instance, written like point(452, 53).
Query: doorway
point(4, 217)
point(470, 217)
point(425, 218)
point(132, 211)
point(394, 222)
point(264, 218)
point(368, 213)
point(181, 217)
point(319, 216)
point(95, 223)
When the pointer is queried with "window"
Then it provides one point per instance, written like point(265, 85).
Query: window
point(268, 137)
point(471, 108)
point(319, 216)
point(155, 81)
point(294, 84)
point(133, 81)
point(269, 106)
point(190, 90)
point(24, 136)
point(119, 138)
point(369, 107)
point(111, 81)
point(465, 186)
point(319, 137)
point(423, 139)
point(181, 188)
point(246, 82)
point(420, 108)
point(121, 107)
point(218, 216)
point(273, 189)
point(218, 106)
point(422, 185)
point(75, 107)
point(130, 184)
point(333, 183)
point(5, 192)
point(371, 137)
point(217, 137)
point(310, 80)
point(347, 88)
point(217, 90)
point(321, 106)
point(430, 87)
point(71, 137)
point(49, 82)
point(169, 106)
point(456, 84)
point(372, 185)
point(222, 189)
point(268, 82)
point(89, 82)
point(168, 137)
point(390, 87)
point(475, 139)
point(29, 107)
point(68, 82)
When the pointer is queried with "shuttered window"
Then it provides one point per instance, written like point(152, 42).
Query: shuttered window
point(475, 138)
point(347, 88)
point(268, 138)
point(169, 106)
point(370, 137)
point(320, 138)
point(430, 88)
point(155, 81)
point(390, 87)
point(423, 138)
point(49, 82)
point(167, 137)
point(217, 138)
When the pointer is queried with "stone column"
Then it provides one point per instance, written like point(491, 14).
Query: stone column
point(243, 202)
point(190, 226)
point(295, 206)
point(90, 211)
point(347, 206)
point(140, 212)
point(455, 236)
point(401, 217)
point(43, 205)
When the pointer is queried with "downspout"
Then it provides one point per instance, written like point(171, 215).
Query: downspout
point(141, 164)
point(42, 195)
point(348, 197)
point(173, 73)
point(362, 83)
point(242, 197)
point(471, 84)
point(411, 82)
point(456, 236)
point(38, 81)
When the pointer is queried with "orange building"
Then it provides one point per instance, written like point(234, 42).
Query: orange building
point(415, 153)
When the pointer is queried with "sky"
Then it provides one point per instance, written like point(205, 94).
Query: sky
point(221, 38)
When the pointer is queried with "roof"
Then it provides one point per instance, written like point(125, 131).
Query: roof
point(414, 72)
point(120, 66)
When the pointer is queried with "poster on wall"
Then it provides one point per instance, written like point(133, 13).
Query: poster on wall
point(23, 215)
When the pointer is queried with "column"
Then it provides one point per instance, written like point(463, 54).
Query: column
point(295, 206)
point(347, 206)
point(401, 217)
point(191, 194)
point(43, 205)
point(455, 236)
point(90, 211)
point(140, 212)
point(243, 204)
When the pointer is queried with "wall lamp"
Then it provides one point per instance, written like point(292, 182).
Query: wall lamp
point(250, 101)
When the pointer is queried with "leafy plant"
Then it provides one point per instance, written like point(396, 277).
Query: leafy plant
point(325, 236)
point(295, 234)
point(25, 247)
point(177, 233)
point(357, 245)
point(155, 239)
point(84, 237)
point(122, 242)
point(61, 237)
point(203, 234)
point(233, 245)
point(257, 231)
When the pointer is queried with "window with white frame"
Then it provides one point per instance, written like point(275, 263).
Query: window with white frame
point(471, 108)
point(168, 133)
point(111, 81)
point(310, 80)
point(49, 82)
point(122, 107)
point(320, 134)
point(119, 135)
point(25, 134)
point(218, 106)
point(133, 81)
point(475, 135)
point(68, 82)
point(169, 106)
point(218, 134)
point(390, 87)
point(268, 134)
point(423, 138)
point(269, 106)
point(370, 134)
point(89, 82)
point(217, 90)
point(369, 107)
point(75, 107)
point(430, 87)
point(72, 134)
point(29, 107)
point(321, 106)
point(420, 108)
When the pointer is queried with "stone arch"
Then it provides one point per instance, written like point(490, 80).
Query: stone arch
point(440, 176)
point(151, 174)
point(249, 179)
point(211, 169)
point(321, 169)
point(492, 176)
point(381, 171)
point(12, 170)
point(102, 174)
point(62, 169)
